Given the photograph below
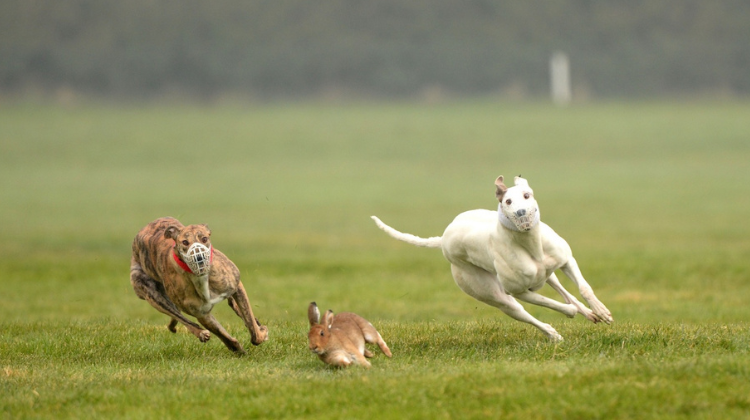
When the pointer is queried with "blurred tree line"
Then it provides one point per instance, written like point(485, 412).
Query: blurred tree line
point(388, 48)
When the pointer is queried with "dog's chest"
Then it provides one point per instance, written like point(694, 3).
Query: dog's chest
point(208, 292)
point(197, 295)
point(523, 277)
point(525, 272)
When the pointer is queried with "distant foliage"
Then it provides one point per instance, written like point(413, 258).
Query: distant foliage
point(388, 48)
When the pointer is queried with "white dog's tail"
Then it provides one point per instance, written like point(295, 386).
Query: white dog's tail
point(434, 242)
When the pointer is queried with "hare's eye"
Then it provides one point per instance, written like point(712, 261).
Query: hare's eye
point(526, 196)
point(322, 333)
point(186, 243)
point(508, 201)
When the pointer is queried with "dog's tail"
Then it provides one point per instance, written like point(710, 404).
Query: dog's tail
point(434, 242)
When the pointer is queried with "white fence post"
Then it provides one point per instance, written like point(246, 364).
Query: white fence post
point(559, 70)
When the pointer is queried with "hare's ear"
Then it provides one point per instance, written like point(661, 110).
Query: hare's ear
point(313, 314)
point(500, 188)
point(328, 319)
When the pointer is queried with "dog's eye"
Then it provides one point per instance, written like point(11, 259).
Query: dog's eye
point(204, 239)
point(322, 333)
point(526, 196)
point(186, 243)
point(508, 201)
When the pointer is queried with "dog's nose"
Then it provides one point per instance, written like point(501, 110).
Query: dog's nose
point(521, 212)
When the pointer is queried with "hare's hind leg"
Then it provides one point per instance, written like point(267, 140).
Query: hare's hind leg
point(373, 336)
point(382, 345)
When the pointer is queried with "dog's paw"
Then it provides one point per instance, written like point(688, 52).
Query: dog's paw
point(261, 337)
point(601, 313)
point(606, 318)
point(589, 314)
point(236, 347)
point(551, 333)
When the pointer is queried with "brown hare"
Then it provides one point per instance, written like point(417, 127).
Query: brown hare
point(340, 340)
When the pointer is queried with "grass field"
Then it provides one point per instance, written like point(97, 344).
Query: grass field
point(652, 197)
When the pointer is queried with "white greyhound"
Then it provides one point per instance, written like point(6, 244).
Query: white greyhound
point(498, 255)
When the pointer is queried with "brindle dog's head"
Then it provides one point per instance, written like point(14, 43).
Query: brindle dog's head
point(188, 235)
point(193, 245)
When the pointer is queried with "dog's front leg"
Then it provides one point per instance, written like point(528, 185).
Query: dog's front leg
point(567, 308)
point(213, 325)
point(574, 273)
point(486, 287)
point(241, 305)
point(570, 299)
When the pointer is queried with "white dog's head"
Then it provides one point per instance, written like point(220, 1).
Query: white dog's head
point(518, 209)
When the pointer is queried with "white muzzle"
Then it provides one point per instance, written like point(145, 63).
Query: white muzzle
point(521, 220)
point(198, 258)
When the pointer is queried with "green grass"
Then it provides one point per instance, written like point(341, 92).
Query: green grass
point(652, 197)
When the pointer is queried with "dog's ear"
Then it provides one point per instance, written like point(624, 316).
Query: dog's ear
point(500, 188)
point(520, 181)
point(171, 232)
point(208, 230)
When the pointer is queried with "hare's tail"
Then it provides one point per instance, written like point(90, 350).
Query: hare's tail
point(434, 242)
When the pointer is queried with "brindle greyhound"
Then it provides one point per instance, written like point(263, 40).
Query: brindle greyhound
point(161, 276)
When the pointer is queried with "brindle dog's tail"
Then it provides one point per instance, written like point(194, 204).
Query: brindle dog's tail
point(434, 242)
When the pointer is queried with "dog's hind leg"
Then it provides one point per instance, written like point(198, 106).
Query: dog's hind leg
point(241, 305)
point(485, 287)
point(153, 292)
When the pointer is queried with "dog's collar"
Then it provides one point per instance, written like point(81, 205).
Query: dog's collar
point(184, 265)
point(508, 224)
